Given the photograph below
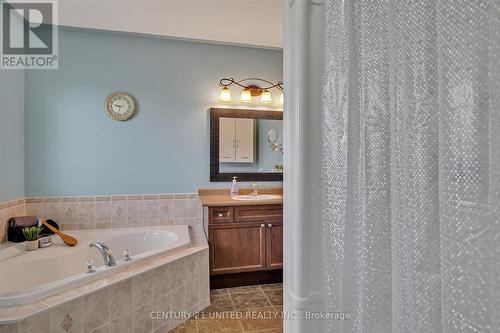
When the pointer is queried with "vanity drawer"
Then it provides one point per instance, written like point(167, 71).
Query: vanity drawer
point(258, 213)
point(220, 214)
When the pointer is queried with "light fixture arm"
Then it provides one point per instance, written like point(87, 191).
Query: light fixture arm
point(226, 82)
point(250, 90)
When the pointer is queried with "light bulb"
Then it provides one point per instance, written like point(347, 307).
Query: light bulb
point(281, 98)
point(246, 96)
point(225, 95)
point(266, 98)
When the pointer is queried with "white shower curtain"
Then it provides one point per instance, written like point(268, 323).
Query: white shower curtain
point(411, 165)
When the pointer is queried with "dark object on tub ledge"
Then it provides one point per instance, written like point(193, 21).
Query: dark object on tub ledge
point(16, 224)
point(46, 231)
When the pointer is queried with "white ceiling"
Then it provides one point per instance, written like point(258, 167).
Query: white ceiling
point(245, 22)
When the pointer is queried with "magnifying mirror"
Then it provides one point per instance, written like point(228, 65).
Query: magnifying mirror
point(272, 136)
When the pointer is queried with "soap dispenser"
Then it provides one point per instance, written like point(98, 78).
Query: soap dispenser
point(234, 187)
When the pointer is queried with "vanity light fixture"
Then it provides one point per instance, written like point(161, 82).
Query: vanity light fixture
point(250, 90)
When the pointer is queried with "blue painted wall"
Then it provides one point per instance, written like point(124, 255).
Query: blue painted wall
point(11, 134)
point(73, 148)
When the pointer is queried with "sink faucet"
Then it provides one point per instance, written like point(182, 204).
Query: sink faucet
point(106, 252)
point(254, 192)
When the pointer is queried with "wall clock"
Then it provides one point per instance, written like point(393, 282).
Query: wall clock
point(120, 106)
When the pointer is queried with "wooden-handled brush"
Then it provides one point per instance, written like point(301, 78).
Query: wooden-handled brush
point(67, 239)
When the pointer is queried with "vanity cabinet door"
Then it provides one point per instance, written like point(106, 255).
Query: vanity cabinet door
point(274, 245)
point(237, 248)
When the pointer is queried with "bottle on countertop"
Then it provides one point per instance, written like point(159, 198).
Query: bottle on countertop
point(234, 187)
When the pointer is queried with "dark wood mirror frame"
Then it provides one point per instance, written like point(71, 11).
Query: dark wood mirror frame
point(215, 115)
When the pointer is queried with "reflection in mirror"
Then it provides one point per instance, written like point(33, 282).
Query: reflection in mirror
point(247, 144)
point(272, 136)
point(250, 145)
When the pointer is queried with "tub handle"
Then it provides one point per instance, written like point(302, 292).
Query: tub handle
point(126, 255)
point(89, 266)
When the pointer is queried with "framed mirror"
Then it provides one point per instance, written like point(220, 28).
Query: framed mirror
point(247, 144)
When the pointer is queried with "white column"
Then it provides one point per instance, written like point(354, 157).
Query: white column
point(302, 158)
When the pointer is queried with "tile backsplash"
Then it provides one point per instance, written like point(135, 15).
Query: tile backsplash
point(8, 209)
point(100, 212)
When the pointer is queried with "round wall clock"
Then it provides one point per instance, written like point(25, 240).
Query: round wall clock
point(120, 106)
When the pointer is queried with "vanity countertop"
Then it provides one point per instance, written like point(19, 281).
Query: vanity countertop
point(221, 197)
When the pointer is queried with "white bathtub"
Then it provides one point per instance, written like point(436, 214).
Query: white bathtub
point(29, 276)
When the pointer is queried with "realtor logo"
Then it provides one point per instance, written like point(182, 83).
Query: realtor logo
point(29, 36)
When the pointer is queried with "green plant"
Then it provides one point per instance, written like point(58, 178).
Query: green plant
point(31, 233)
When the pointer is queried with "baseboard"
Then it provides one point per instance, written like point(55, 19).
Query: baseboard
point(304, 302)
point(245, 279)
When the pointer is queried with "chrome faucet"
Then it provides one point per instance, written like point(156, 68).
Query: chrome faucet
point(254, 191)
point(106, 252)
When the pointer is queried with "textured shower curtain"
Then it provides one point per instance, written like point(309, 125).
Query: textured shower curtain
point(411, 165)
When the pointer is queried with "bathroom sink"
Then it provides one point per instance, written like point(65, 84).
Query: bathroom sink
point(257, 197)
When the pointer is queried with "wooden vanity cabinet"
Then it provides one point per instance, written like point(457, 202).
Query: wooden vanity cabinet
point(240, 247)
point(274, 246)
point(245, 238)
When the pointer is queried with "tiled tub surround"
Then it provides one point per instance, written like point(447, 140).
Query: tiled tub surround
point(30, 276)
point(123, 302)
point(101, 212)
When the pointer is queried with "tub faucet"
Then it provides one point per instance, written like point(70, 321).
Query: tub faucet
point(106, 252)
